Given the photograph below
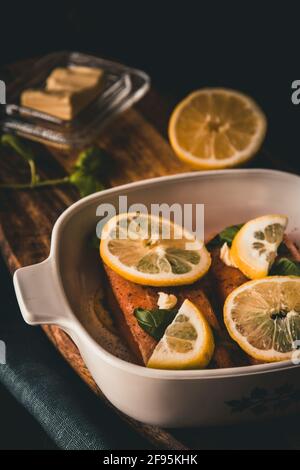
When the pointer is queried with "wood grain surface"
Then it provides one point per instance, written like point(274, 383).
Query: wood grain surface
point(138, 145)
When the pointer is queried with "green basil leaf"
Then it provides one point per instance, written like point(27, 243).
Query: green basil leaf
point(283, 250)
point(90, 170)
point(155, 321)
point(93, 161)
point(86, 184)
point(225, 236)
point(285, 267)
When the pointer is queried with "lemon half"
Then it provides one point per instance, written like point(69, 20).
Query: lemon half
point(216, 128)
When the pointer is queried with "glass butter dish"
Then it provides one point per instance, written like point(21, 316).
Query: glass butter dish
point(121, 87)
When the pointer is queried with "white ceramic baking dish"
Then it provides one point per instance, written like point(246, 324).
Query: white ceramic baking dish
point(56, 291)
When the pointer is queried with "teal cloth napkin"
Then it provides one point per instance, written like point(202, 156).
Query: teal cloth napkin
point(39, 378)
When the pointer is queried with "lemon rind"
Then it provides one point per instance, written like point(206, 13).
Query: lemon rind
point(240, 157)
point(236, 252)
point(270, 355)
point(155, 280)
point(197, 361)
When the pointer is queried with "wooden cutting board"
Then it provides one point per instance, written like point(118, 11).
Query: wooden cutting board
point(138, 145)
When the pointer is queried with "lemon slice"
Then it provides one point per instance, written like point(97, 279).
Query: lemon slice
point(188, 342)
point(254, 248)
point(263, 317)
point(216, 128)
point(153, 251)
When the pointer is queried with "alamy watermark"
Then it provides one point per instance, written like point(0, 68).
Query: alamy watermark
point(2, 92)
point(188, 218)
point(2, 352)
point(296, 352)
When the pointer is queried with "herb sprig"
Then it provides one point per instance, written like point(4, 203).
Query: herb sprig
point(225, 236)
point(285, 267)
point(282, 266)
point(87, 175)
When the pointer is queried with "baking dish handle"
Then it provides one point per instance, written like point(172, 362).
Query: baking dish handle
point(39, 296)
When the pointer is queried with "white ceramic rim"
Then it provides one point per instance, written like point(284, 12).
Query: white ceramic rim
point(120, 363)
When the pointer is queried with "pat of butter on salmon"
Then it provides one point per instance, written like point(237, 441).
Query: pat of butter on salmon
point(225, 256)
point(166, 301)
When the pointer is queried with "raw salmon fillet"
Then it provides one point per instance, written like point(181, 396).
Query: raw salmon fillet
point(226, 278)
point(128, 296)
point(208, 294)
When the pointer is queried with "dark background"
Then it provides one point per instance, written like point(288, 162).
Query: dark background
point(183, 46)
point(250, 46)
